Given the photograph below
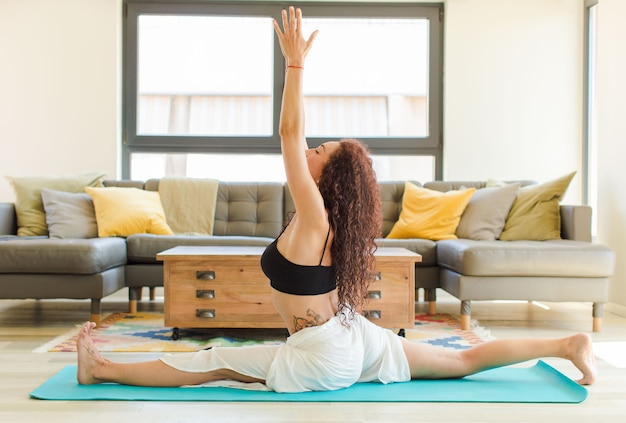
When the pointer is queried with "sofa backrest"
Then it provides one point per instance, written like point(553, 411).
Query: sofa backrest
point(244, 208)
point(444, 186)
point(124, 183)
point(249, 209)
point(288, 207)
point(391, 193)
point(261, 209)
point(8, 219)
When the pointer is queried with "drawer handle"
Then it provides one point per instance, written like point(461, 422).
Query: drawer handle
point(375, 295)
point(206, 275)
point(205, 293)
point(377, 276)
point(205, 313)
point(374, 314)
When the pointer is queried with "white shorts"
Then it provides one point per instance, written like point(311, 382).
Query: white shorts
point(320, 358)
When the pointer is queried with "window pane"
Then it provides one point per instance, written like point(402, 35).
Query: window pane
point(263, 167)
point(367, 78)
point(226, 167)
point(404, 168)
point(191, 81)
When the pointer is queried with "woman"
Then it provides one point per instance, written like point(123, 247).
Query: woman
point(319, 268)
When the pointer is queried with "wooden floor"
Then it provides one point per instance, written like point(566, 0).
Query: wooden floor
point(25, 325)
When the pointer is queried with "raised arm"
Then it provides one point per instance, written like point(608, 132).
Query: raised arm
point(294, 46)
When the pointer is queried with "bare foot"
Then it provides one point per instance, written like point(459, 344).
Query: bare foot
point(89, 358)
point(580, 352)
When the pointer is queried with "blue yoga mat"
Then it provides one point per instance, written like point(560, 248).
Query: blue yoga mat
point(540, 383)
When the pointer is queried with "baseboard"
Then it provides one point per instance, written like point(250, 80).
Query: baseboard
point(614, 308)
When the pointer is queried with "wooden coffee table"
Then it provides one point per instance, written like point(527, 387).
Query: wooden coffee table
point(224, 287)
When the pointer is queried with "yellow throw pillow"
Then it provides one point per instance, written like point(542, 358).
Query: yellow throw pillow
point(31, 217)
point(535, 214)
point(430, 214)
point(126, 211)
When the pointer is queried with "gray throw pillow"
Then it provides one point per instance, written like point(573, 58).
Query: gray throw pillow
point(69, 215)
point(485, 215)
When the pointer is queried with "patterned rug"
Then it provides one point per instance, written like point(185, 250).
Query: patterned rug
point(144, 332)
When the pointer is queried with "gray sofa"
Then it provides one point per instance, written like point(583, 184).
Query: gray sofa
point(568, 269)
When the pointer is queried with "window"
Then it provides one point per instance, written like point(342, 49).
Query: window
point(189, 84)
point(590, 154)
point(203, 84)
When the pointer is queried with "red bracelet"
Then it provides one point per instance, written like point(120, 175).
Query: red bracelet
point(295, 67)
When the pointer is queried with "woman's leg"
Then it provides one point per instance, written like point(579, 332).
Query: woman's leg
point(428, 362)
point(93, 368)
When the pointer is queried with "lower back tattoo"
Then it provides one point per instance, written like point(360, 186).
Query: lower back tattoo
point(312, 319)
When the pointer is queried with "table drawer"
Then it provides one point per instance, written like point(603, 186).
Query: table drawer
point(191, 272)
point(391, 297)
point(228, 305)
point(392, 275)
point(390, 315)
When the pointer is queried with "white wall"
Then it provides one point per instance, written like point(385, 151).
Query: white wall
point(513, 90)
point(513, 98)
point(513, 95)
point(59, 69)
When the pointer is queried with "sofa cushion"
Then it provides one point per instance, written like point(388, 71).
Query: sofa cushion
point(535, 213)
point(430, 214)
point(127, 211)
point(143, 248)
point(249, 209)
point(43, 255)
point(31, 218)
point(556, 258)
point(69, 215)
point(424, 247)
point(485, 215)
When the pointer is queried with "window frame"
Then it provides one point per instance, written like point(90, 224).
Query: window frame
point(589, 153)
point(431, 145)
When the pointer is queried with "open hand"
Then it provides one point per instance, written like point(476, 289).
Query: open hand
point(292, 44)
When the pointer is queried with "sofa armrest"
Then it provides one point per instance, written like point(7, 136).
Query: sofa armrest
point(576, 223)
point(8, 219)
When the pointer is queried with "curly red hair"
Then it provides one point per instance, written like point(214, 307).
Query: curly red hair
point(350, 190)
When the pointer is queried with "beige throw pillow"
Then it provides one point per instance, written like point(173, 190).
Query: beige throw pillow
point(535, 214)
point(31, 217)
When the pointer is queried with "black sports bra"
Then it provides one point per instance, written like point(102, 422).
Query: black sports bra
point(296, 279)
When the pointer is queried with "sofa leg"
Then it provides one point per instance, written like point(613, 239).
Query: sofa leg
point(466, 314)
point(597, 324)
point(134, 295)
point(430, 295)
point(597, 316)
point(95, 311)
